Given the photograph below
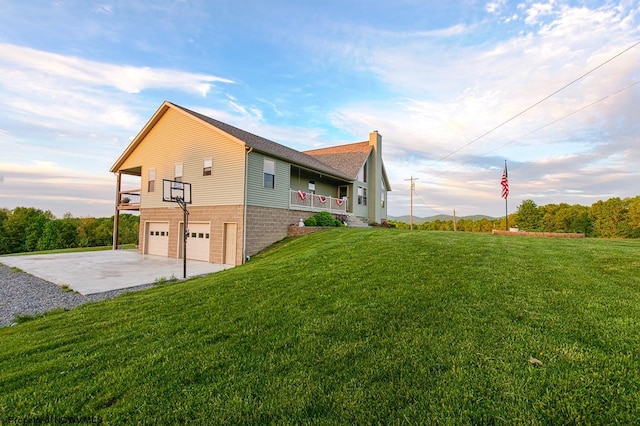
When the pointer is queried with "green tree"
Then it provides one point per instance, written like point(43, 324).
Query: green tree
point(576, 219)
point(529, 216)
point(633, 216)
point(59, 234)
point(23, 228)
point(4, 213)
point(129, 226)
point(609, 218)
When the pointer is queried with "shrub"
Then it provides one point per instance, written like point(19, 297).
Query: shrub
point(322, 219)
point(325, 219)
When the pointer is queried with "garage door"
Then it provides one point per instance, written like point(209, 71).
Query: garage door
point(198, 243)
point(157, 238)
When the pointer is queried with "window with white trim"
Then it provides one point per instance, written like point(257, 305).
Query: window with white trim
point(362, 196)
point(269, 173)
point(177, 174)
point(207, 165)
point(151, 182)
point(362, 174)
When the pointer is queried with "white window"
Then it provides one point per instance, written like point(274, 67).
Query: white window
point(151, 183)
point(177, 175)
point(207, 164)
point(362, 174)
point(362, 196)
point(269, 172)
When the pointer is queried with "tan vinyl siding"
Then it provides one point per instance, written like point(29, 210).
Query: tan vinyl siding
point(180, 138)
point(257, 194)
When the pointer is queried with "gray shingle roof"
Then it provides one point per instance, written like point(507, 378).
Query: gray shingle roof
point(274, 149)
point(346, 158)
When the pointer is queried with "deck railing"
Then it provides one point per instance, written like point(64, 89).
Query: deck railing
point(300, 200)
point(129, 200)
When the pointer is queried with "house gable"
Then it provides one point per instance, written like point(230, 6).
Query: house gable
point(349, 158)
point(174, 138)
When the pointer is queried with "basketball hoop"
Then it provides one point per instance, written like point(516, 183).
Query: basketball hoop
point(179, 192)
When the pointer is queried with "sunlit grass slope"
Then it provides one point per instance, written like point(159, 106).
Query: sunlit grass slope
point(352, 326)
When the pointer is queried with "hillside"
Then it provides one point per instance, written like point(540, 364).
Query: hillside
point(442, 217)
point(352, 326)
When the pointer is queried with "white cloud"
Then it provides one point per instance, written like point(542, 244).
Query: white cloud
point(494, 6)
point(47, 185)
point(125, 78)
point(448, 98)
point(539, 10)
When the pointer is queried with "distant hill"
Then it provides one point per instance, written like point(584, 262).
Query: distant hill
point(442, 217)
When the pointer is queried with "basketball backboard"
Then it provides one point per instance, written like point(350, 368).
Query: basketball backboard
point(176, 192)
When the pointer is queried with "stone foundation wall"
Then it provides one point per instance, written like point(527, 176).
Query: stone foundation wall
point(267, 225)
point(537, 234)
point(297, 231)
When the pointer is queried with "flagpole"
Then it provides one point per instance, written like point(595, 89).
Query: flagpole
point(506, 213)
point(505, 194)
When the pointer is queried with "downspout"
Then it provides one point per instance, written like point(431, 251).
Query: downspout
point(244, 219)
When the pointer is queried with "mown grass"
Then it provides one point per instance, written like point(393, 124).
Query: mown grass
point(352, 326)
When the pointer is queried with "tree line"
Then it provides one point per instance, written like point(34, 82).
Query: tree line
point(613, 218)
point(26, 229)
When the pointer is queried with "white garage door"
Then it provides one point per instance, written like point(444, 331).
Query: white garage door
point(157, 238)
point(199, 241)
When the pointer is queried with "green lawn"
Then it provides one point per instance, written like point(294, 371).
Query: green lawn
point(352, 326)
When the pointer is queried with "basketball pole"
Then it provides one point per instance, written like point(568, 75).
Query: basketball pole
point(169, 196)
point(185, 234)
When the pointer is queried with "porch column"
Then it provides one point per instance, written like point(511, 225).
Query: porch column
point(116, 216)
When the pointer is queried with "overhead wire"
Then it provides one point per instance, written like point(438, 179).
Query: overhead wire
point(428, 206)
point(536, 104)
point(565, 116)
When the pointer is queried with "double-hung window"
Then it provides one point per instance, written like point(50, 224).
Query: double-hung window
point(362, 196)
point(362, 174)
point(177, 175)
point(269, 173)
point(151, 182)
point(207, 164)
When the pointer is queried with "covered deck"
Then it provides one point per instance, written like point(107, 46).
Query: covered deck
point(126, 199)
point(308, 201)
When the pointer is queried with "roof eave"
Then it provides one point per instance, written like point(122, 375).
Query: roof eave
point(140, 136)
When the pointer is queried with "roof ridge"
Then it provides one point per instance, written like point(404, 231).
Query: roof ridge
point(270, 147)
point(338, 147)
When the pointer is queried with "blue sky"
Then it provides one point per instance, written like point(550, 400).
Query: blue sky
point(81, 78)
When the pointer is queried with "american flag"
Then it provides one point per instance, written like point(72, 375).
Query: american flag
point(505, 182)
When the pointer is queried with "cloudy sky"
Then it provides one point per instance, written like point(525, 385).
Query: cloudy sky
point(454, 87)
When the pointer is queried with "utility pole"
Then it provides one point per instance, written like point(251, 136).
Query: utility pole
point(413, 187)
point(455, 228)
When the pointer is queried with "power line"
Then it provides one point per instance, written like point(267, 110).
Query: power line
point(564, 117)
point(428, 206)
point(536, 104)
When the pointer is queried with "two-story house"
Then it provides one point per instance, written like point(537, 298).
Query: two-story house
point(246, 190)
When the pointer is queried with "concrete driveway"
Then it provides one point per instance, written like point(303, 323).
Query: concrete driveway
point(100, 271)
